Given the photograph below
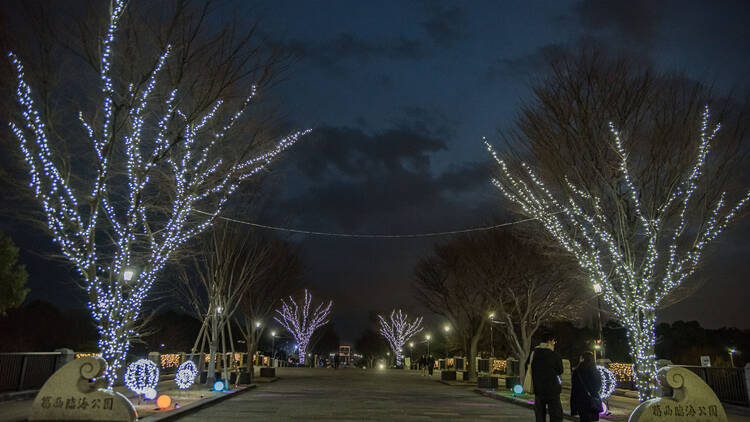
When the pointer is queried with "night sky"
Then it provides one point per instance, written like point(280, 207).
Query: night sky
point(400, 94)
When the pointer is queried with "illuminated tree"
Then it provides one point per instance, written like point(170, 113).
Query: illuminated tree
point(301, 322)
point(399, 331)
point(146, 146)
point(635, 271)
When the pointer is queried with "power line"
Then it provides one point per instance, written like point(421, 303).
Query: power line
point(370, 236)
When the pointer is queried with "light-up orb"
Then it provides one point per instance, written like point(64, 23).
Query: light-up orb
point(163, 401)
point(150, 393)
point(518, 389)
point(142, 375)
point(219, 385)
point(609, 382)
point(186, 374)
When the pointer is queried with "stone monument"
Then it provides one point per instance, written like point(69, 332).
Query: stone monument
point(74, 393)
point(686, 398)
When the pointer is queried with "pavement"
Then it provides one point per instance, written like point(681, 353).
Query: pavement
point(357, 394)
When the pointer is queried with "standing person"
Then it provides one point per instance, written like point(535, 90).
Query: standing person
point(423, 364)
point(430, 364)
point(546, 368)
point(336, 361)
point(585, 400)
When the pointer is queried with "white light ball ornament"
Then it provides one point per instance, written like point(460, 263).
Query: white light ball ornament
point(609, 382)
point(186, 374)
point(142, 376)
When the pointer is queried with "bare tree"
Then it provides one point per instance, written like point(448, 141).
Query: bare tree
point(635, 204)
point(398, 331)
point(230, 262)
point(280, 276)
point(442, 285)
point(530, 284)
point(302, 321)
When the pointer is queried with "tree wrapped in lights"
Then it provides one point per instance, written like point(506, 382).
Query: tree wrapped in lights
point(632, 281)
point(301, 322)
point(399, 331)
point(143, 139)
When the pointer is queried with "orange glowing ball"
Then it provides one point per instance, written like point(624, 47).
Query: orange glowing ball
point(163, 401)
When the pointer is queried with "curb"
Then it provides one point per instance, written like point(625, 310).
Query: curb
point(266, 380)
point(514, 401)
point(192, 407)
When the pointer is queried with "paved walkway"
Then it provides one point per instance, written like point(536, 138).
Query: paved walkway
point(355, 394)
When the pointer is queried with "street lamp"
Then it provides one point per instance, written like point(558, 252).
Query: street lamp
point(128, 273)
point(427, 338)
point(257, 324)
point(447, 329)
point(731, 356)
point(597, 347)
point(598, 290)
point(492, 341)
point(273, 344)
point(411, 349)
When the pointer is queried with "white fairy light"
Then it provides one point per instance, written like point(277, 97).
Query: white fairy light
point(609, 382)
point(300, 322)
point(399, 331)
point(632, 289)
point(200, 179)
point(186, 374)
point(142, 376)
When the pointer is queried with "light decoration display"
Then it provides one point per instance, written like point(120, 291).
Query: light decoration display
point(398, 331)
point(518, 389)
point(163, 401)
point(632, 286)
point(622, 371)
point(133, 130)
point(499, 365)
point(609, 382)
point(149, 393)
point(219, 386)
point(169, 360)
point(85, 355)
point(186, 374)
point(301, 323)
point(142, 376)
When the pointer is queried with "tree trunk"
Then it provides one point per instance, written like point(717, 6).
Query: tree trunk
point(251, 349)
point(642, 338)
point(472, 357)
point(212, 346)
point(114, 345)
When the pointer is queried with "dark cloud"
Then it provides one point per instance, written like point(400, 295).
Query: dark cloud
point(349, 46)
point(522, 66)
point(429, 120)
point(378, 182)
point(635, 21)
point(444, 25)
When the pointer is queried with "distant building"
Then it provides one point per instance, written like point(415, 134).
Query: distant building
point(345, 355)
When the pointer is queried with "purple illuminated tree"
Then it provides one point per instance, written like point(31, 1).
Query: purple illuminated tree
point(300, 322)
point(399, 331)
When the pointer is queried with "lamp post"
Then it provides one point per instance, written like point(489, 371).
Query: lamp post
point(492, 341)
point(427, 338)
point(411, 349)
point(447, 329)
point(598, 290)
point(731, 356)
point(273, 346)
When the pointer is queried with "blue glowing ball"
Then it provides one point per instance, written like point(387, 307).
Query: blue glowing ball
point(518, 389)
point(150, 393)
point(219, 385)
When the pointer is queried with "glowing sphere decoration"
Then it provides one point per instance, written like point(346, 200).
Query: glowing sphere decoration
point(186, 374)
point(518, 389)
point(609, 382)
point(149, 394)
point(163, 401)
point(142, 376)
point(219, 386)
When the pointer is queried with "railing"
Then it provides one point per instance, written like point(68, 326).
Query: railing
point(26, 371)
point(728, 383)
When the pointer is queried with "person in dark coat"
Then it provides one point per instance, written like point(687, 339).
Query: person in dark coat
point(546, 368)
point(586, 384)
point(430, 364)
point(423, 364)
